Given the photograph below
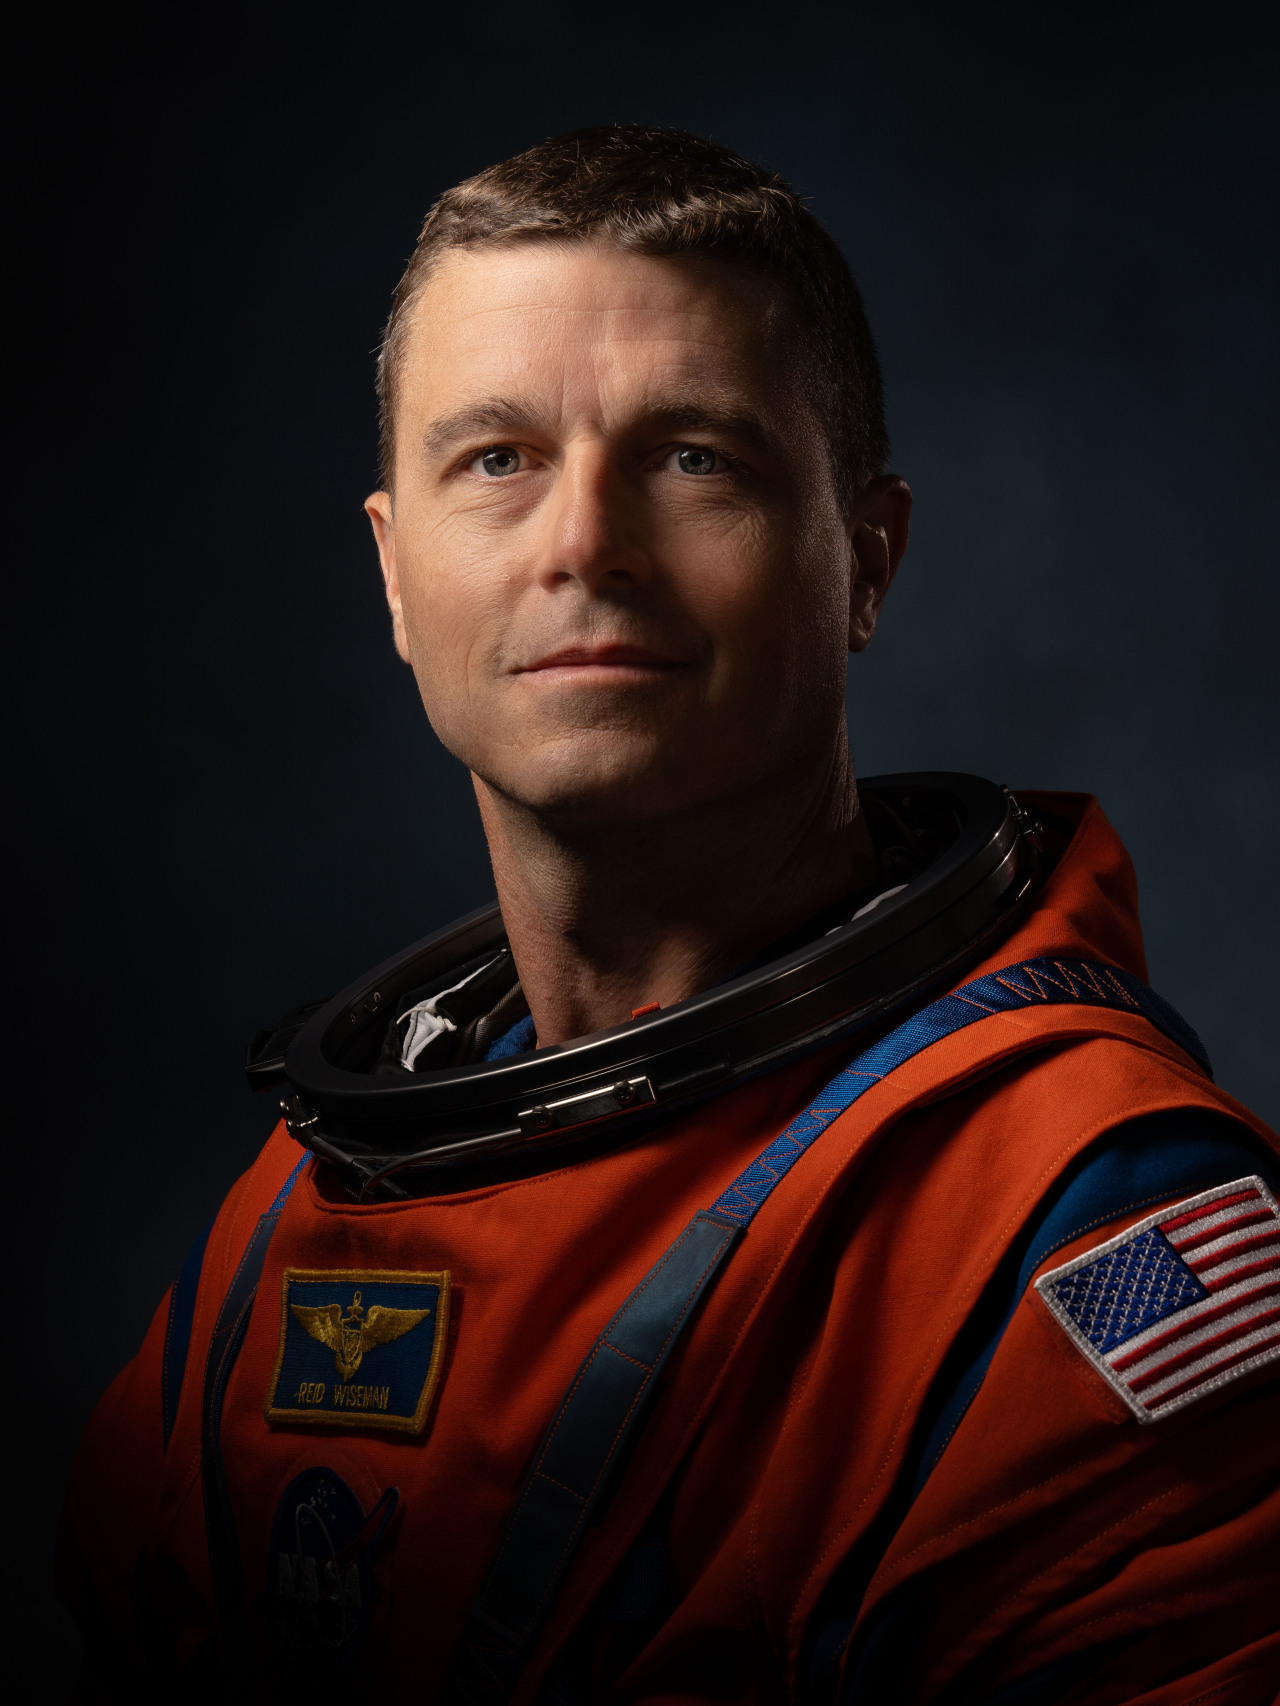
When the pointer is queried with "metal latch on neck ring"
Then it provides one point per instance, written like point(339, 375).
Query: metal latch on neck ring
point(620, 1097)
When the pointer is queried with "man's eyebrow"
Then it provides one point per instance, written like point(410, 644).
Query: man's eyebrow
point(494, 416)
point(693, 416)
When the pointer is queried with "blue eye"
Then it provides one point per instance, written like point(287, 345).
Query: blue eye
point(696, 459)
point(502, 459)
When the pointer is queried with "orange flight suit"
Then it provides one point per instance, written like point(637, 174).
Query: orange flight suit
point(804, 1542)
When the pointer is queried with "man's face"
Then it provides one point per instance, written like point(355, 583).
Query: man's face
point(617, 560)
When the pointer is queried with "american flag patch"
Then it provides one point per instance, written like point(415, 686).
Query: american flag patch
point(1180, 1304)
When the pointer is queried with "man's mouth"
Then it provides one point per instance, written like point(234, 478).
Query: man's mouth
point(614, 661)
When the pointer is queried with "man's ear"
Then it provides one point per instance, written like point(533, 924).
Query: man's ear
point(378, 508)
point(878, 532)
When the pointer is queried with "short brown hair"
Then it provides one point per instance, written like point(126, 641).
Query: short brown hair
point(664, 192)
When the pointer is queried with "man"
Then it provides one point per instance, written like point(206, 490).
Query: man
point(786, 1251)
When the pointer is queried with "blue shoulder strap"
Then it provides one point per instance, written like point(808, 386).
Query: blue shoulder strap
point(585, 1443)
point(220, 1534)
point(177, 1332)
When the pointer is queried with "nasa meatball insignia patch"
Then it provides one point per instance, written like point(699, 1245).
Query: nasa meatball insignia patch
point(1181, 1304)
point(320, 1582)
point(359, 1349)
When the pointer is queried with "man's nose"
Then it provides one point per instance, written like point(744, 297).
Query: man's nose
point(594, 524)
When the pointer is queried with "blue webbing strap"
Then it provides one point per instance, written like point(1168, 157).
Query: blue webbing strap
point(177, 1332)
point(604, 1402)
point(582, 1444)
point(1033, 983)
point(220, 1533)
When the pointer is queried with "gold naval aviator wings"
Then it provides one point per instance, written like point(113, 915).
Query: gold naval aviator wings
point(348, 1336)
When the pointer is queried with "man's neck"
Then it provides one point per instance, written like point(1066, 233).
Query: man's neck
point(609, 917)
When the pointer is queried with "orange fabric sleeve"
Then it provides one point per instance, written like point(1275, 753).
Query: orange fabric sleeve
point(127, 1497)
point(1055, 1530)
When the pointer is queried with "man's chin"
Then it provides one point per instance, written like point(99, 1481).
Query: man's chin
point(585, 789)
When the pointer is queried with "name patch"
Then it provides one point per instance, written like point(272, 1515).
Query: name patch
point(1181, 1304)
point(359, 1349)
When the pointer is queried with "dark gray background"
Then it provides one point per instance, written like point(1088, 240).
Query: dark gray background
point(232, 801)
